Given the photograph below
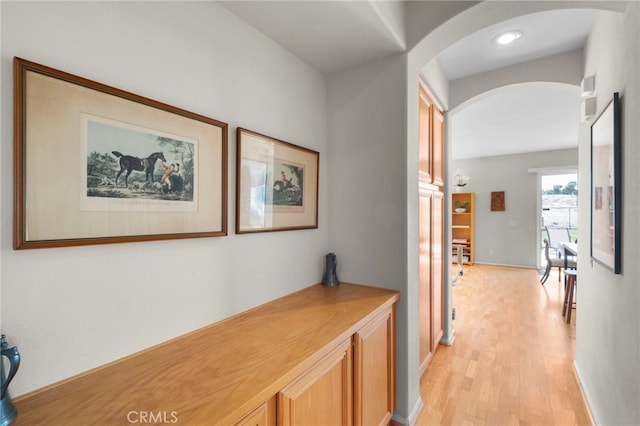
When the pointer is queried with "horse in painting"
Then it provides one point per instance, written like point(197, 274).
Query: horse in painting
point(131, 163)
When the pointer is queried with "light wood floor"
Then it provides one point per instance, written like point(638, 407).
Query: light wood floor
point(511, 362)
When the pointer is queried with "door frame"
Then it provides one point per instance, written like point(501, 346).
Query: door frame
point(546, 171)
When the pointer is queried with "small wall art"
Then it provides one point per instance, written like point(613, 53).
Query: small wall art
point(276, 184)
point(497, 201)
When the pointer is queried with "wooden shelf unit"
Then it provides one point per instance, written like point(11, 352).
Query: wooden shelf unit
point(462, 227)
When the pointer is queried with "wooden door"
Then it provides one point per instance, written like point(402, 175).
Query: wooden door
point(321, 396)
point(374, 371)
point(425, 277)
point(437, 272)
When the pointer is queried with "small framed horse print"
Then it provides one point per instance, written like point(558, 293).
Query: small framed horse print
point(276, 184)
point(95, 165)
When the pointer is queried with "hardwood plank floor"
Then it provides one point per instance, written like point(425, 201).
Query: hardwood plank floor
point(512, 359)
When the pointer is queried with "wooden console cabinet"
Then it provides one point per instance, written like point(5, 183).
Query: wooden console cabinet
point(320, 356)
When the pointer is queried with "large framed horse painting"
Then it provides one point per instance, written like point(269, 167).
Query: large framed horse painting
point(95, 165)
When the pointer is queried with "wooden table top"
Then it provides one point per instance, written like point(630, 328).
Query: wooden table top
point(215, 374)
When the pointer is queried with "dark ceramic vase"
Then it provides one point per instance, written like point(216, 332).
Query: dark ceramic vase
point(330, 277)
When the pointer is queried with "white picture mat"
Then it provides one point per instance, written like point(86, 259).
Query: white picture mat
point(52, 161)
point(260, 154)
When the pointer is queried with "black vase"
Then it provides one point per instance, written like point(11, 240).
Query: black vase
point(330, 278)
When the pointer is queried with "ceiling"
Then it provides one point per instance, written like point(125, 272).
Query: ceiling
point(328, 35)
point(521, 119)
point(543, 34)
point(335, 35)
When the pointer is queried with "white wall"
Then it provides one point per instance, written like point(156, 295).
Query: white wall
point(368, 196)
point(71, 309)
point(2, 114)
point(509, 237)
point(565, 69)
point(608, 318)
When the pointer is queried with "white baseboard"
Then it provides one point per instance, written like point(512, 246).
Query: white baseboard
point(448, 340)
point(504, 264)
point(413, 416)
point(585, 396)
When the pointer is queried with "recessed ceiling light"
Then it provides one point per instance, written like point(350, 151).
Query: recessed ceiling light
point(507, 37)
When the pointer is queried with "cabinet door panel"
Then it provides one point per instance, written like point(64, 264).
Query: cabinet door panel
point(425, 208)
point(437, 262)
point(430, 138)
point(424, 135)
point(265, 415)
point(437, 147)
point(322, 395)
point(375, 371)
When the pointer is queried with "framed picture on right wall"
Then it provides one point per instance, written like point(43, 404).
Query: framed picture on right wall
point(606, 181)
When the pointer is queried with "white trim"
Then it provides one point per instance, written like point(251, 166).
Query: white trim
point(422, 82)
point(539, 257)
point(555, 170)
point(448, 340)
point(587, 400)
point(546, 171)
point(413, 416)
point(507, 265)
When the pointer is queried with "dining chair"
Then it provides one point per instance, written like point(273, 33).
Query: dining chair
point(554, 262)
point(569, 293)
point(557, 236)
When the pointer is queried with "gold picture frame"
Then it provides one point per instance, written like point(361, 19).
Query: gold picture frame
point(96, 165)
point(276, 184)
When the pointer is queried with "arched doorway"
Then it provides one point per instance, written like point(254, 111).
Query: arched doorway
point(463, 21)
